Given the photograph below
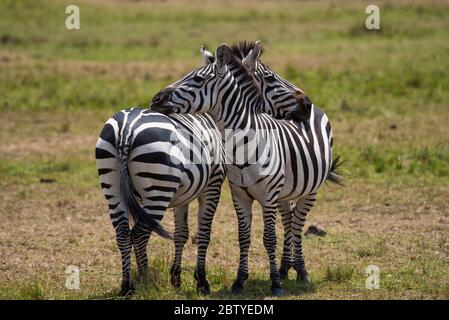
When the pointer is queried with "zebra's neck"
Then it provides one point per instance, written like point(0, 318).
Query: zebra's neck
point(239, 103)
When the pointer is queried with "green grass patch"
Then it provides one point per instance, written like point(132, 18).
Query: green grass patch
point(339, 273)
point(399, 163)
point(75, 172)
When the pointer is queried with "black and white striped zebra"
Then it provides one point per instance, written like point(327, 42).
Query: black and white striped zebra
point(277, 93)
point(283, 100)
point(149, 162)
point(299, 159)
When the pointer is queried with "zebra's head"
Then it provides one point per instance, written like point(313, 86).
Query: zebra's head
point(196, 92)
point(281, 98)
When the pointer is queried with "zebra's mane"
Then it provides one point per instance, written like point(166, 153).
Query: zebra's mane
point(240, 51)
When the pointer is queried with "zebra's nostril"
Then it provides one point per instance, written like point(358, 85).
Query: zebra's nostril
point(303, 100)
point(156, 98)
point(303, 107)
point(306, 102)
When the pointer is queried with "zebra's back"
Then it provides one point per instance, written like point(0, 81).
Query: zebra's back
point(299, 154)
point(171, 159)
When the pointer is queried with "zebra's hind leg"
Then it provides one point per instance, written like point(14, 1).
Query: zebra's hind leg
point(140, 236)
point(303, 207)
point(124, 243)
point(286, 211)
point(180, 238)
point(206, 211)
point(110, 182)
point(243, 208)
point(270, 241)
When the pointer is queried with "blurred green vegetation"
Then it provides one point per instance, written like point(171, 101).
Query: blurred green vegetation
point(399, 69)
point(125, 52)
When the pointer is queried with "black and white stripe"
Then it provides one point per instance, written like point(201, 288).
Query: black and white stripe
point(298, 155)
point(282, 104)
point(148, 162)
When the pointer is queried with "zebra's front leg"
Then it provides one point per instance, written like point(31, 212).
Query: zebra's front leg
point(270, 241)
point(243, 207)
point(286, 211)
point(180, 238)
point(124, 243)
point(206, 212)
point(303, 207)
point(140, 236)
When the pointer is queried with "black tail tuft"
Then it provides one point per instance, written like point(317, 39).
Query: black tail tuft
point(135, 208)
point(335, 175)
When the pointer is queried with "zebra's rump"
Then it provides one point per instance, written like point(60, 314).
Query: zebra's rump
point(296, 156)
point(308, 156)
point(171, 159)
point(201, 146)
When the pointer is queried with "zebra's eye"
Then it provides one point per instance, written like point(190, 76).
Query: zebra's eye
point(270, 79)
point(197, 78)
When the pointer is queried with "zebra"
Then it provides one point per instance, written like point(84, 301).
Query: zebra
point(297, 109)
point(276, 89)
point(148, 162)
point(301, 159)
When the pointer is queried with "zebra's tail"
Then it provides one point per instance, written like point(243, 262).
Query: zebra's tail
point(335, 175)
point(131, 203)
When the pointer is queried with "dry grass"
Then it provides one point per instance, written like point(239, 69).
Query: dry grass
point(46, 227)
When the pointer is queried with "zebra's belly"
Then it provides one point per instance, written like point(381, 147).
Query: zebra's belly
point(195, 180)
point(294, 186)
point(297, 179)
point(171, 186)
point(302, 179)
point(294, 176)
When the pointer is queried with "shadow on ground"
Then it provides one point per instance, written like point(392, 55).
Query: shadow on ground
point(254, 289)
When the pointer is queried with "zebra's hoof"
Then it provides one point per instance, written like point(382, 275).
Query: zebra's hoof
point(204, 289)
point(127, 290)
point(175, 281)
point(237, 288)
point(277, 292)
point(175, 276)
point(303, 278)
point(276, 289)
point(143, 277)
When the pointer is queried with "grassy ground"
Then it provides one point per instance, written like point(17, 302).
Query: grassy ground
point(385, 93)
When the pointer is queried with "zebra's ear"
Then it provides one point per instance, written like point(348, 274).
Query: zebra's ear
point(207, 56)
point(250, 60)
point(223, 55)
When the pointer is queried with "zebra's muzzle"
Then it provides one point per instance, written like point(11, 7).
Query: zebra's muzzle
point(162, 108)
point(161, 102)
point(303, 108)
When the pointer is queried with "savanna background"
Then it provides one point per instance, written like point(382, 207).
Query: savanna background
point(385, 92)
